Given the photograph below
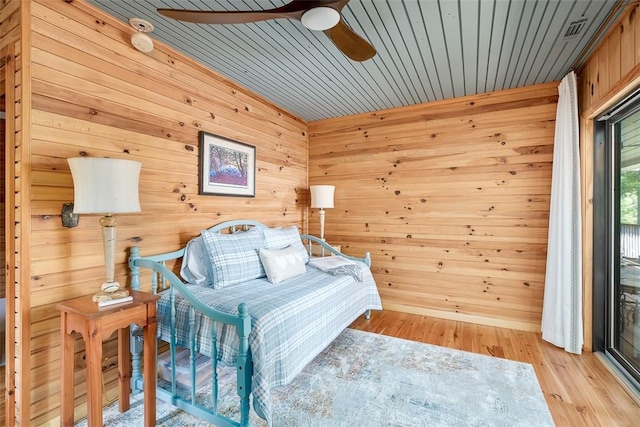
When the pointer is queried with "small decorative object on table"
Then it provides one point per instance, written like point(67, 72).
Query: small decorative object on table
point(121, 300)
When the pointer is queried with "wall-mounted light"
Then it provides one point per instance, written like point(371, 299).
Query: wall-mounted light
point(69, 219)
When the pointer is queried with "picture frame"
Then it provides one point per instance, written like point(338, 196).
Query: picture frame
point(227, 167)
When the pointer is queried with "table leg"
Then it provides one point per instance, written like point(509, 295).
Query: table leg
point(124, 369)
point(67, 342)
point(149, 368)
point(93, 342)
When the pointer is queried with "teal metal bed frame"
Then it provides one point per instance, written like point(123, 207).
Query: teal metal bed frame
point(162, 278)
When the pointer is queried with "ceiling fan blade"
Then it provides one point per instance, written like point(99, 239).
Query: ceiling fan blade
point(292, 10)
point(350, 43)
point(210, 17)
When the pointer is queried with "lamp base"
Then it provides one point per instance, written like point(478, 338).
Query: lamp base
point(108, 296)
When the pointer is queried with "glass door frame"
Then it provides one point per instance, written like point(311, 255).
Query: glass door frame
point(606, 235)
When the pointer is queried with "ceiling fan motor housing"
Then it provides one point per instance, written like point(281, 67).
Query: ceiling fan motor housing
point(320, 18)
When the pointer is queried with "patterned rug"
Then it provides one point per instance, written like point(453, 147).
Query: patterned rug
point(366, 379)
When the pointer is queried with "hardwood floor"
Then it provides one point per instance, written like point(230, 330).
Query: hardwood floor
point(579, 389)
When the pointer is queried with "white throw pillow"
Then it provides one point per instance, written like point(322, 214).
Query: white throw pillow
point(280, 238)
point(282, 264)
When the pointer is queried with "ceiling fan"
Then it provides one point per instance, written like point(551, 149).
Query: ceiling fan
point(316, 15)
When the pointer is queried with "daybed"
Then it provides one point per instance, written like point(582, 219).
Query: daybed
point(269, 327)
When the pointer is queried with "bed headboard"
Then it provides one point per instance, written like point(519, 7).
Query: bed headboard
point(157, 280)
point(160, 278)
point(236, 225)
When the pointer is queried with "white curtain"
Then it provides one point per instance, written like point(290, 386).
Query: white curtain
point(562, 307)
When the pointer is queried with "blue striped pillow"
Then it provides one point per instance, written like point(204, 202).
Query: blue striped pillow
point(235, 258)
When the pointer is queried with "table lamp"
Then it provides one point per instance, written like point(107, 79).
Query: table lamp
point(106, 186)
point(322, 198)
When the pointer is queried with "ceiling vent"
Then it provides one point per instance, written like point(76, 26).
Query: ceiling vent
point(575, 29)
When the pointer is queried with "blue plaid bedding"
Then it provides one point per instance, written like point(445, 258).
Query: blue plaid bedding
point(292, 322)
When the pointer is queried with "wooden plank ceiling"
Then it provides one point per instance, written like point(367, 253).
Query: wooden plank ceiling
point(427, 50)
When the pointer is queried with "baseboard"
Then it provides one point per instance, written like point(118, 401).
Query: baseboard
point(468, 318)
point(616, 370)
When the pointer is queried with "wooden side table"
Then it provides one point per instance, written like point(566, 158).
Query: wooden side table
point(96, 324)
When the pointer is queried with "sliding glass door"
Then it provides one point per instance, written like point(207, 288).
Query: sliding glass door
point(626, 333)
point(617, 233)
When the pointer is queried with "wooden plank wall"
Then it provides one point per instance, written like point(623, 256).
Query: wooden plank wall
point(610, 73)
point(12, 28)
point(613, 65)
point(2, 187)
point(3, 105)
point(451, 198)
point(95, 95)
point(2, 230)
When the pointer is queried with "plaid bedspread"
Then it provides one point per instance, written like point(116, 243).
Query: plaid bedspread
point(292, 322)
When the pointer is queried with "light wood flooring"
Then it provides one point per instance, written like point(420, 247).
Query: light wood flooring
point(579, 389)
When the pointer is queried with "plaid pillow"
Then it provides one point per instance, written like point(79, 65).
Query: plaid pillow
point(234, 257)
point(280, 238)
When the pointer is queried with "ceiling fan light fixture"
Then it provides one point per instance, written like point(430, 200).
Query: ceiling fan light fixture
point(320, 18)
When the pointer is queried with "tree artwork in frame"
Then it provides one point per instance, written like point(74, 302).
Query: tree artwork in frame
point(227, 167)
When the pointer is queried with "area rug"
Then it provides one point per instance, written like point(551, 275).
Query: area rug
point(366, 379)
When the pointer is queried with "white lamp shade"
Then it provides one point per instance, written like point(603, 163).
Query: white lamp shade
point(102, 185)
point(322, 196)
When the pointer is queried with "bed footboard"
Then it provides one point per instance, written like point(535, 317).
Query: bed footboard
point(163, 279)
point(328, 249)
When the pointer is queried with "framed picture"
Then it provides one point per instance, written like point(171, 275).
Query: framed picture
point(227, 167)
